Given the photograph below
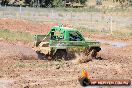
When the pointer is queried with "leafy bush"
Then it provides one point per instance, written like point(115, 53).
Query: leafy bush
point(83, 1)
point(57, 3)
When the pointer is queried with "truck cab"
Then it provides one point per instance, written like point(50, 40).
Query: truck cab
point(62, 40)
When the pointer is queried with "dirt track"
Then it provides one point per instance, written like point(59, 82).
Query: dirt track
point(18, 72)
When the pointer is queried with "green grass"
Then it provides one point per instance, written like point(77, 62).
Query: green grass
point(91, 9)
point(116, 32)
point(87, 9)
point(15, 35)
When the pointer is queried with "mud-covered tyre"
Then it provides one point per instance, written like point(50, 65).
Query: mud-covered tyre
point(94, 51)
point(60, 54)
point(93, 54)
point(40, 55)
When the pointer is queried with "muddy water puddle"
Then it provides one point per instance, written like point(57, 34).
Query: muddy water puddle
point(113, 43)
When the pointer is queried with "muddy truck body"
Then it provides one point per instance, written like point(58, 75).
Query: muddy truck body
point(62, 40)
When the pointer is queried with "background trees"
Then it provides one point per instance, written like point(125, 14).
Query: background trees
point(43, 3)
point(57, 3)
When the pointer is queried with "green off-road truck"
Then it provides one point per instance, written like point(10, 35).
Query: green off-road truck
point(62, 40)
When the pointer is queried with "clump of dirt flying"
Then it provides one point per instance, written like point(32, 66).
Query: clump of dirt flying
point(81, 58)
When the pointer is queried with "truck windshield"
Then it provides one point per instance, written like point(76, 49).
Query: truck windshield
point(74, 36)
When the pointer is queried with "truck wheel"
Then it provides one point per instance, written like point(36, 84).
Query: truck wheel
point(40, 55)
point(93, 54)
point(90, 52)
point(60, 54)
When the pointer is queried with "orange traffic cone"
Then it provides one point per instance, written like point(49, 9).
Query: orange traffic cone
point(84, 73)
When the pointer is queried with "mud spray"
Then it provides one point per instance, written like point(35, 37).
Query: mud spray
point(81, 58)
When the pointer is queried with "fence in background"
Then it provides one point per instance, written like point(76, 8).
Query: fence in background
point(95, 21)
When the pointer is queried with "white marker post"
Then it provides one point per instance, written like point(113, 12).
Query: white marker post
point(20, 11)
point(111, 25)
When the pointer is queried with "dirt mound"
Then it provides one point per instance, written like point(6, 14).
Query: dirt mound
point(28, 26)
point(19, 52)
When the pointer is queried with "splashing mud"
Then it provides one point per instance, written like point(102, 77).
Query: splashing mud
point(81, 58)
point(12, 51)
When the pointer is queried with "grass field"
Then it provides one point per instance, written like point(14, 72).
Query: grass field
point(15, 35)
